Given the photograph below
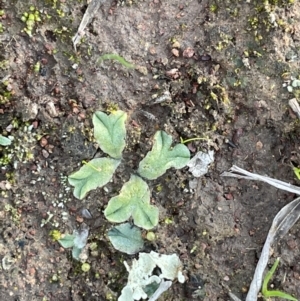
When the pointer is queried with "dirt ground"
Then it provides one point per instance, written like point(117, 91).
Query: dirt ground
point(227, 66)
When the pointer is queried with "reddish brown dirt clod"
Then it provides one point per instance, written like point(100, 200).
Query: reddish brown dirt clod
point(56, 90)
point(188, 52)
point(79, 219)
point(43, 142)
point(44, 61)
point(292, 244)
point(228, 196)
point(35, 124)
point(296, 275)
point(32, 271)
point(236, 136)
point(180, 203)
point(251, 232)
point(32, 232)
point(81, 116)
point(75, 110)
point(152, 50)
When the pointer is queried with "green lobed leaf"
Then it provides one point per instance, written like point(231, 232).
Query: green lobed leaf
point(110, 132)
point(163, 157)
point(126, 238)
point(4, 141)
point(133, 200)
point(93, 174)
point(67, 241)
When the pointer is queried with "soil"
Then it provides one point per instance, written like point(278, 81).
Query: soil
point(226, 65)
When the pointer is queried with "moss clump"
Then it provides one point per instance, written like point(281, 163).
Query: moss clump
point(23, 143)
point(31, 18)
point(5, 94)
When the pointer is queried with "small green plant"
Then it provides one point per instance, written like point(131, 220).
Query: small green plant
point(2, 13)
point(133, 201)
point(297, 172)
point(5, 92)
point(21, 143)
point(134, 198)
point(76, 241)
point(14, 213)
point(274, 293)
point(192, 139)
point(115, 57)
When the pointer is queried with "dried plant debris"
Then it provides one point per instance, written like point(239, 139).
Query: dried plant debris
point(199, 164)
point(89, 14)
point(165, 97)
point(240, 173)
point(141, 275)
point(293, 103)
point(163, 286)
point(282, 223)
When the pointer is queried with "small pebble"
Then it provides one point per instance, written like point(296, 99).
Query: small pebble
point(292, 244)
point(198, 266)
point(75, 110)
point(152, 50)
point(81, 116)
point(205, 57)
point(175, 52)
point(86, 213)
point(259, 145)
point(50, 107)
point(32, 271)
point(45, 153)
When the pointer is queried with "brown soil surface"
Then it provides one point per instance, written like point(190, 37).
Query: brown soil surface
point(226, 65)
